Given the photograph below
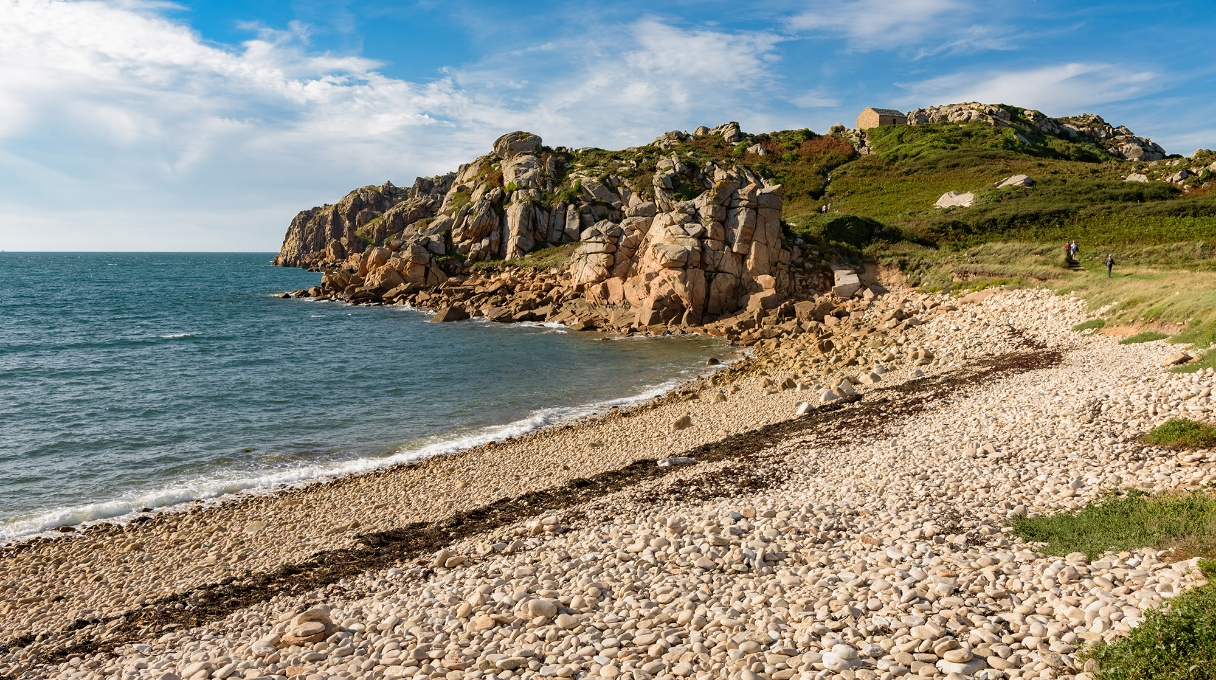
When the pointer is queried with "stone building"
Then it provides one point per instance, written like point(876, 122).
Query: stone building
point(872, 117)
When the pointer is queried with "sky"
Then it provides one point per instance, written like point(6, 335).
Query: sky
point(134, 125)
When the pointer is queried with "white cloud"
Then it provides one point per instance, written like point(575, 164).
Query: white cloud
point(125, 122)
point(815, 99)
point(886, 24)
point(1058, 90)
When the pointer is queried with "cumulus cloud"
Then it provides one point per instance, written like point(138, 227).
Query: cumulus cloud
point(888, 24)
point(815, 99)
point(107, 108)
point(1059, 89)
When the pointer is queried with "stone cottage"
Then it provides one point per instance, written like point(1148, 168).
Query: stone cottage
point(872, 117)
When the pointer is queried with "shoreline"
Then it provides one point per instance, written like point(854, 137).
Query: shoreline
point(482, 508)
point(362, 465)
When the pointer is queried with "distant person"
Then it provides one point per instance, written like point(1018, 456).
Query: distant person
point(1074, 250)
point(1067, 252)
point(1110, 264)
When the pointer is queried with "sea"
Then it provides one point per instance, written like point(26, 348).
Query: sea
point(137, 381)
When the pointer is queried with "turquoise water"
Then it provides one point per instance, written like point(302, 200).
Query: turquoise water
point(140, 380)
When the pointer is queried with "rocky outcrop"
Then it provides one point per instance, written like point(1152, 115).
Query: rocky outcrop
point(961, 113)
point(689, 260)
point(364, 217)
point(694, 245)
point(1120, 142)
point(1089, 128)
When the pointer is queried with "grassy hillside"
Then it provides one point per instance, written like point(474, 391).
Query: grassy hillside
point(881, 207)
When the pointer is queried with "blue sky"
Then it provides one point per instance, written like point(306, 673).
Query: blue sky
point(135, 125)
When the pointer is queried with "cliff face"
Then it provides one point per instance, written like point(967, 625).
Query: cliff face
point(677, 245)
point(364, 216)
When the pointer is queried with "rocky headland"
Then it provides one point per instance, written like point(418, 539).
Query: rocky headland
point(696, 245)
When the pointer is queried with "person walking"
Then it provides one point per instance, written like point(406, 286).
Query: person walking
point(1074, 250)
point(1068, 253)
point(1110, 264)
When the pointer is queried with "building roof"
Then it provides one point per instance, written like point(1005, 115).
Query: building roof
point(888, 112)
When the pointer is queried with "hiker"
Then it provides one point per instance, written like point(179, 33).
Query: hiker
point(1110, 264)
point(1074, 250)
point(1067, 253)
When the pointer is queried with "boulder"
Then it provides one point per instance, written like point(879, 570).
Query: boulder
point(309, 628)
point(682, 423)
point(812, 310)
point(384, 278)
point(1015, 181)
point(450, 314)
point(515, 143)
point(953, 199)
point(1176, 359)
point(1136, 177)
point(847, 283)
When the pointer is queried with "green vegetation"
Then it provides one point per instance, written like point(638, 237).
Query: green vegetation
point(1091, 324)
point(1185, 522)
point(1174, 643)
point(548, 257)
point(1201, 334)
point(1146, 336)
point(1183, 434)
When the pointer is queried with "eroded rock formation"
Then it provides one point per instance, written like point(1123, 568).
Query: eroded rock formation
point(690, 244)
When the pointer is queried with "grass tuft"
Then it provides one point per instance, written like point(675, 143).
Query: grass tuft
point(1185, 522)
point(1146, 336)
point(1183, 434)
point(1092, 323)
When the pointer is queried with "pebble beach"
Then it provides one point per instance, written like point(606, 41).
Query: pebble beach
point(763, 521)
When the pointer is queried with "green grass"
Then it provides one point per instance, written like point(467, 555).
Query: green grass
point(1183, 434)
point(1198, 333)
point(1177, 642)
point(1183, 521)
point(1092, 323)
point(549, 257)
point(1146, 336)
